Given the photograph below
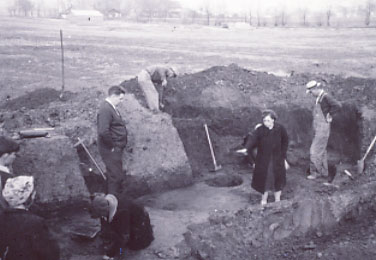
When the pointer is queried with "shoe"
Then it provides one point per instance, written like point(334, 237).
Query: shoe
point(263, 202)
point(311, 177)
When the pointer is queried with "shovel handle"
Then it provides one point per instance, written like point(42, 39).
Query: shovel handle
point(369, 148)
point(92, 158)
point(210, 146)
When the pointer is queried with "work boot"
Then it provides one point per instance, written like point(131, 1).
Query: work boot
point(311, 177)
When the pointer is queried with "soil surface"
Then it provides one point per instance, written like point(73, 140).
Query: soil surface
point(112, 53)
point(227, 189)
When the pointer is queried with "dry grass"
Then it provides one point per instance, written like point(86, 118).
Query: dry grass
point(105, 54)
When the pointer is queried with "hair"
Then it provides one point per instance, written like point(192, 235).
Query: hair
point(115, 90)
point(8, 145)
point(269, 112)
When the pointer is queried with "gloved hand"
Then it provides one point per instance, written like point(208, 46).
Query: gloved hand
point(329, 118)
point(243, 151)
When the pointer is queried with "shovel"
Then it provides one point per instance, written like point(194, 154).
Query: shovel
point(360, 165)
point(216, 166)
point(80, 142)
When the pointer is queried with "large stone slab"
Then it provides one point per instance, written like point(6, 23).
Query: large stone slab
point(54, 164)
point(155, 158)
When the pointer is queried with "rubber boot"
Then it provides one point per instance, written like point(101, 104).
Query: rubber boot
point(264, 198)
point(277, 196)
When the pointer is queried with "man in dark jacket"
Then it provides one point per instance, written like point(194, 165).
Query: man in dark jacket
point(23, 235)
point(325, 110)
point(112, 138)
point(8, 150)
point(123, 224)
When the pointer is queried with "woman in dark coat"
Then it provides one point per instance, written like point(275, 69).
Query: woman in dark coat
point(271, 141)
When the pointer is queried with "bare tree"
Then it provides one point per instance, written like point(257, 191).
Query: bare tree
point(207, 11)
point(12, 8)
point(250, 17)
point(283, 17)
point(258, 18)
point(193, 15)
point(25, 6)
point(164, 7)
point(126, 6)
point(276, 19)
point(146, 8)
point(304, 16)
point(280, 17)
point(38, 6)
point(368, 11)
point(328, 14)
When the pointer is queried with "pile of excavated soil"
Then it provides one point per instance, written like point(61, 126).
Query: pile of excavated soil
point(229, 99)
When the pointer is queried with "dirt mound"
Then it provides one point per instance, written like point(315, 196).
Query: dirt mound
point(229, 99)
point(34, 99)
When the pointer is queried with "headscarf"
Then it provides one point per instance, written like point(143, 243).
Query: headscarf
point(18, 190)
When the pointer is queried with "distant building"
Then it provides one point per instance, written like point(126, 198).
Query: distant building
point(83, 16)
point(113, 14)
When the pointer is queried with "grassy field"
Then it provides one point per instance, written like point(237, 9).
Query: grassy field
point(100, 55)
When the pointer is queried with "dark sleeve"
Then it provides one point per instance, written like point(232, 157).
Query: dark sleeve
point(284, 141)
point(252, 139)
point(333, 105)
point(44, 246)
point(104, 119)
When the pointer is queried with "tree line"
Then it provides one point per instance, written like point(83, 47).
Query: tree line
point(165, 10)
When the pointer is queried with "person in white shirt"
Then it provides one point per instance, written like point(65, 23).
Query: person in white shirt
point(149, 79)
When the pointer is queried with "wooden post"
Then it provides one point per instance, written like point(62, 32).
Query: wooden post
point(62, 65)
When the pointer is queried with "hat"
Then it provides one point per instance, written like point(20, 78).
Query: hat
point(17, 190)
point(99, 206)
point(312, 84)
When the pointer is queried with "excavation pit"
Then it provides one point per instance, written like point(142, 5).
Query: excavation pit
point(224, 180)
point(229, 100)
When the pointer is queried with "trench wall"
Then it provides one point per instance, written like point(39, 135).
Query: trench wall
point(228, 128)
point(230, 99)
point(233, 235)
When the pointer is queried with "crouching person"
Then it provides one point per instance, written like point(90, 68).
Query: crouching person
point(23, 235)
point(124, 224)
